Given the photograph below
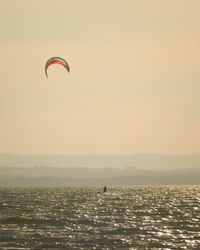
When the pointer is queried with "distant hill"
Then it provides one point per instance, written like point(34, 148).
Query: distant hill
point(98, 170)
point(60, 177)
point(138, 161)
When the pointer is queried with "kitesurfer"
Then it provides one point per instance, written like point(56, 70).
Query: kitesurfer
point(104, 189)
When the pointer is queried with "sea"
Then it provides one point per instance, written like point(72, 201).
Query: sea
point(140, 217)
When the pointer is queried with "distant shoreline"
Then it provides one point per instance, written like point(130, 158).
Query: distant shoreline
point(60, 177)
point(138, 161)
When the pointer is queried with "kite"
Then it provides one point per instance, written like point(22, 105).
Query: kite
point(57, 60)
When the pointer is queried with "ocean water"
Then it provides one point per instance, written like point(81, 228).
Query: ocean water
point(151, 217)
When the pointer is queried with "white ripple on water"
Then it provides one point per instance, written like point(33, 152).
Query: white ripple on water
point(79, 218)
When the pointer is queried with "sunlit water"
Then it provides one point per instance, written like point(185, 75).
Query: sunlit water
point(81, 218)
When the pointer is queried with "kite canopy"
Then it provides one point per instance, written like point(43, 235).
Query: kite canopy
point(57, 60)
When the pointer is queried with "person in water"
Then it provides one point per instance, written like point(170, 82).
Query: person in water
point(104, 189)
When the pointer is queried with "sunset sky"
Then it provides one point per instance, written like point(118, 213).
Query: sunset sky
point(134, 84)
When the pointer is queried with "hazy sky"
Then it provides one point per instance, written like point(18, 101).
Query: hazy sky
point(134, 85)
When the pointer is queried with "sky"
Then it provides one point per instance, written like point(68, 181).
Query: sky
point(133, 85)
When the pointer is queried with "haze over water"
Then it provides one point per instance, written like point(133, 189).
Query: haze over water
point(150, 217)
